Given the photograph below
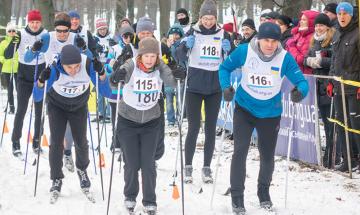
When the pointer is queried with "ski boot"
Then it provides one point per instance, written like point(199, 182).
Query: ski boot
point(188, 174)
point(264, 197)
point(150, 209)
point(238, 205)
point(55, 190)
point(69, 163)
point(206, 175)
point(16, 149)
point(36, 146)
point(130, 204)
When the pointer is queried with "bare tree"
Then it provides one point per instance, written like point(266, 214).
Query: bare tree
point(195, 9)
point(221, 11)
point(152, 9)
point(292, 8)
point(5, 14)
point(140, 8)
point(47, 12)
point(165, 6)
point(120, 13)
point(267, 4)
point(249, 9)
point(131, 10)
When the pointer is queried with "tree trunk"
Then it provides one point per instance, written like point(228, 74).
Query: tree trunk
point(292, 8)
point(5, 14)
point(267, 4)
point(165, 6)
point(120, 12)
point(249, 9)
point(91, 18)
point(140, 8)
point(131, 10)
point(177, 5)
point(196, 9)
point(47, 12)
point(221, 11)
point(187, 5)
point(152, 9)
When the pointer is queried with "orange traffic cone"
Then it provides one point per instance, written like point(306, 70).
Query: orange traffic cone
point(45, 141)
point(5, 129)
point(102, 161)
point(175, 193)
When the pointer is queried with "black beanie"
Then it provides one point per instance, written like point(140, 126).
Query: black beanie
point(182, 10)
point(322, 19)
point(331, 7)
point(285, 19)
point(269, 30)
point(70, 55)
point(249, 23)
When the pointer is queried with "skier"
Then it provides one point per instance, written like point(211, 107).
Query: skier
point(207, 43)
point(25, 80)
point(264, 64)
point(68, 81)
point(9, 60)
point(139, 119)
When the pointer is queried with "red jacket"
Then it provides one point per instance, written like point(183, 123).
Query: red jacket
point(299, 44)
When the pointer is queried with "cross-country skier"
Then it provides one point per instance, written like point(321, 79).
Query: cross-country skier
point(68, 90)
point(139, 119)
point(264, 65)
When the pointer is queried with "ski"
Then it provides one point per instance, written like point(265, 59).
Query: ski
point(54, 196)
point(88, 194)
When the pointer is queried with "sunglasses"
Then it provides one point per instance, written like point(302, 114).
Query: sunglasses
point(62, 31)
point(125, 36)
point(11, 31)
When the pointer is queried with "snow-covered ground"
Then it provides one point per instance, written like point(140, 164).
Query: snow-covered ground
point(310, 191)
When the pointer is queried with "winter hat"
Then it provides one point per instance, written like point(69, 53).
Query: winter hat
point(331, 7)
point(285, 19)
point(229, 27)
point(145, 24)
point(70, 55)
point(265, 12)
point(208, 7)
point(182, 10)
point(272, 15)
point(269, 30)
point(249, 23)
point(34, 15)
point(176, 28)
point(346, 7)
point(10, 26)
point(101, 23)
point(322, 19)
point(125, 20)
point(148, 45)
point(62, 19)
point(74, 14)
point(126, 29)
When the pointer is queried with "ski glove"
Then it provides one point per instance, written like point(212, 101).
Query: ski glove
point(190, 40)
point(296, 95)
point(330, 89)
point(15, 39)
point(112, 42)
point(44, 75)
point(80, 43)
point(229, 94)
point(313, 62)
point(179, 73)
point(118, 75)
point(98, 67)
point(226, 46)
point(37, 46)
point(9, 51)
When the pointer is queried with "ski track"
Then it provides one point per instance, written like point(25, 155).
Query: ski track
point(309, 192)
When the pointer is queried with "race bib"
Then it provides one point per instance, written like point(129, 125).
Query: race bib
point(76, 90)
point(210, 51)
point(147, 89)
point(260, 81)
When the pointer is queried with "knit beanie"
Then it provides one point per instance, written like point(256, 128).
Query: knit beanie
point(331, 7)
point(269, 30)
point(228, 27)
point(176, 28)
point(126, 29)
point(322, 19)
point(34, 15)
point(74, 14)
point(10, 26)
point(148, 45)
point(101, 23)
point(145, 24)
point(125, 20)
point(182, 10)
point(285, 19)
point(208, 7)
point(249, 23)
point(346, 7)
point(70, 55)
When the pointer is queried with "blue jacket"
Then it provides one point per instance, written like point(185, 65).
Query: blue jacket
point(260, 108)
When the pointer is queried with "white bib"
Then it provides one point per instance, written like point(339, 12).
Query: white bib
point(262, 80)
point(71, 87)
point(27, 40)
point(206, 53)
point(143, 89)
point(55, 47)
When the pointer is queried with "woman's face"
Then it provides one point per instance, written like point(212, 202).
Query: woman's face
point(320, 29)
point(304, 22)
point(208, 21)
point(283, 27)
point(149, 60)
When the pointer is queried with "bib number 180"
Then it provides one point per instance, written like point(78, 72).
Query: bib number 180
point(148, 97)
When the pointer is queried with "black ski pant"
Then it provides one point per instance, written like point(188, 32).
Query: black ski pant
point(193, 110)
point(267, 129)
point(24, 91)
point(113, 118)
point(58, 119)
point(10, 86)
point(160, 149)
point(139, 142)
point(353, 116)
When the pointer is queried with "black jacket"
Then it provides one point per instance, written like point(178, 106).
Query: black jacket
point(285, 37)
point(346, 56)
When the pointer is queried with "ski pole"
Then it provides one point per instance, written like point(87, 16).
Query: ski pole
point(31, 111)
point(227, 110)
point(113, 148)
point(92, 142)
point(288, 158)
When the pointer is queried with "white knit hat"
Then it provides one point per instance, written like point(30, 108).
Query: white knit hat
point(10, 26)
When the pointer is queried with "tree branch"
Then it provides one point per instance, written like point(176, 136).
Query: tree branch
point(277, 4)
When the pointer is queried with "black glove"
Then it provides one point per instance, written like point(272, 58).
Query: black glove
point(125, 54)
point(229, 94)
point(44, 75)
point(118, 75)
point(80, 43)
point(9, 51)
point(99, 48)
point(112, 42)
point(296, 95)
point(37, 46)
point(98, 67)
point(179, 72)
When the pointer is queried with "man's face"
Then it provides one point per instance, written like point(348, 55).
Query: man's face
point(75, 23)
point(208, 21)
point(62, 32)
point(180, 16)
point(144, 34)
point(344, 18)
point(268, 46)
point(34, 25)
point(247, 31)
point(72, 69)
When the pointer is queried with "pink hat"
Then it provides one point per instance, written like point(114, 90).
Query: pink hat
point(101, 23)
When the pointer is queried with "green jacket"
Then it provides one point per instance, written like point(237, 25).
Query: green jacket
point(7, 63)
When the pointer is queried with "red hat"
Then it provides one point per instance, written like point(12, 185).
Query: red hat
point(228, 27)
point(101, 23)
point(34, 15)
